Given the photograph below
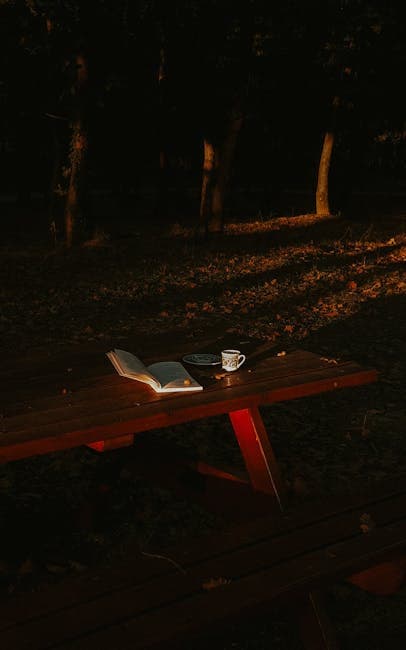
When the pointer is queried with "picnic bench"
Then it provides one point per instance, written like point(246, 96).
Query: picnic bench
point(189, 594)
point(52, 402)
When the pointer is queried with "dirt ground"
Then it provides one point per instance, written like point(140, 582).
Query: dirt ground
point(334, 286)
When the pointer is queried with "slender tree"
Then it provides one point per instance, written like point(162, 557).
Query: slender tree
point(230, 70)
point(322, 191)
point(77, 154)
point(223, 166)
point(66, 40)
point(350, 57)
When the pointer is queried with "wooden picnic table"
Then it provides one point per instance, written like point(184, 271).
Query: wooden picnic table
point(51, 401)
point(59, 400)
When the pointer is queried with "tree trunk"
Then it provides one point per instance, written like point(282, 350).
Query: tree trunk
point(224, 163)
point(58, 184)
point(162, 128)
point(74, 198)
point(322, 201)
point(217, 165)
point(77, 154)
point(207, 183)
point(224, 156)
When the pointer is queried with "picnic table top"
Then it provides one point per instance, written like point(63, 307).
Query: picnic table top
point(57, 400)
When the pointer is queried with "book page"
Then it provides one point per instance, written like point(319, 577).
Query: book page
point(128, 365)
point(173, 377)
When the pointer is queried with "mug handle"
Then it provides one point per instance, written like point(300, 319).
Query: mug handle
point(242, 357)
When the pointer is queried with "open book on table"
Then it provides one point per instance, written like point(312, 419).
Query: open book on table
point(163, 377)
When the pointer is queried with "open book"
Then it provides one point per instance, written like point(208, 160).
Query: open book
point(163, 377)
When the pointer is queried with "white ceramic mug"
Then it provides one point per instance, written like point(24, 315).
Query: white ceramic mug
point(231, 359)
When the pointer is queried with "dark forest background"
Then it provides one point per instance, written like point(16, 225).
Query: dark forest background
point(107, 106)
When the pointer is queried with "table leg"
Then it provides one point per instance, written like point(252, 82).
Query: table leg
point(112, 443)
point(317, 632)
point(257, 452)
point(316, 628)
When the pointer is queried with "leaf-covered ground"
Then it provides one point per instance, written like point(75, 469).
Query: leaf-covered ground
point(334, 286)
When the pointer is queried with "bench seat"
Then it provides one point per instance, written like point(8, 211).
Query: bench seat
point(166, 599)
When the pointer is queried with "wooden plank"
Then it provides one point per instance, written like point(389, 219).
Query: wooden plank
point(88, 422)
point(92, 377)
point(246, 384)
point(185, 617)
point(95, 372)
point(114, 443)
point(121, 622)
point(385, 503)
point(72, 402)
point(258, 571)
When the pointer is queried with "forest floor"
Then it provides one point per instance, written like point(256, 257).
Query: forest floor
point(334, 286)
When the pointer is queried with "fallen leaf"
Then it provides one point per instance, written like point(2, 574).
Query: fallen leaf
point(213, 583)
point(333, 361)
point(366, 524)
